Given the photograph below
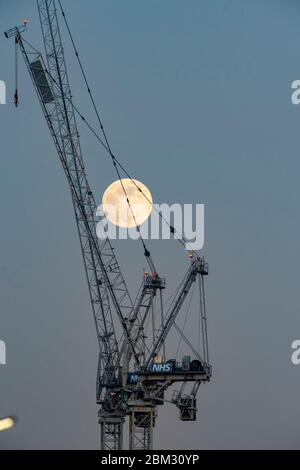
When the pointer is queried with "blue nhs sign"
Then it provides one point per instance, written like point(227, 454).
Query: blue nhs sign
point(161, 368)
point(132, 378)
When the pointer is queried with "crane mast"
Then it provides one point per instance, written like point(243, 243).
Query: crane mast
point(129, 381)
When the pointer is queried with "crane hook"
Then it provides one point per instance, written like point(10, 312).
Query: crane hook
point(16, 98)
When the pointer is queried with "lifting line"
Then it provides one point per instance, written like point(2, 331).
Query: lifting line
point(146, 251)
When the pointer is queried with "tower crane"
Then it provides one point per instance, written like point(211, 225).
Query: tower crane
point(133, 369)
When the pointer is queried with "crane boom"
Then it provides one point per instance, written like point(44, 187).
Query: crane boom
point(104, 262)
point(97, 289)
point(105, 280)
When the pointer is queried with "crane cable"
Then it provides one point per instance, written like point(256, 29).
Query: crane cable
point(117, 162)
point(146, 251)
point(185, 320)
point(181, 240)
point(16, 95)
point(173, 230)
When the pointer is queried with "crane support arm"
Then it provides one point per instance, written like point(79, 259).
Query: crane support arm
point(195, 268)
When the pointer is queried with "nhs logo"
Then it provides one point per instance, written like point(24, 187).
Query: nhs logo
point(2, 92)
point(166, 367)
point(132, 378)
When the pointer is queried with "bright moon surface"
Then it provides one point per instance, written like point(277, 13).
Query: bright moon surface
point(116, 207)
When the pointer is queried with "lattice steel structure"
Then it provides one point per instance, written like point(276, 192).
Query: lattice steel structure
point(119, 392)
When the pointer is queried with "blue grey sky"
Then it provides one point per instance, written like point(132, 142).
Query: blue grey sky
point(195, 97)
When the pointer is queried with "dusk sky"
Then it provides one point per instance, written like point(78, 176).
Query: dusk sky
point(196, 100)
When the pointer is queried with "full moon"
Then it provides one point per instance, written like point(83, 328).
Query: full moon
point(116, 207)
